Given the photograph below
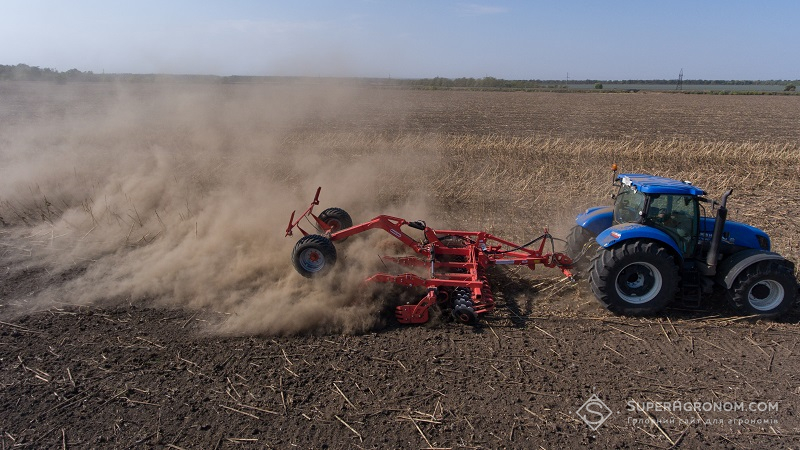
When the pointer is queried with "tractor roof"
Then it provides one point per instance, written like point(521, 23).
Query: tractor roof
point(650, 184)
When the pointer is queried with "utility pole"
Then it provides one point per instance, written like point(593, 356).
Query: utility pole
point(679, 87)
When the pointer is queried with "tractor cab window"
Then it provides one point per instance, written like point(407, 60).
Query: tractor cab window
point(628, 205)
point(677, 215)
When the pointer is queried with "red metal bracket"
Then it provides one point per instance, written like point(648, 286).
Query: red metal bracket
point(459, 270)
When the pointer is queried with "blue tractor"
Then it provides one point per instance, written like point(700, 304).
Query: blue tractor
point(656, 244)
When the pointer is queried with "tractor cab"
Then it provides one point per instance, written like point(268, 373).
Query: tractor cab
point(662, 203)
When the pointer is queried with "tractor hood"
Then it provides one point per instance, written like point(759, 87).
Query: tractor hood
point(736, 233)
point(596, 219)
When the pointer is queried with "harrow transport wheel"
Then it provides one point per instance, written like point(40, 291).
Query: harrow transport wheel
point(634, 278)
point(581, 247)
point(313, 255)
point(336, 218)
point(767, 288)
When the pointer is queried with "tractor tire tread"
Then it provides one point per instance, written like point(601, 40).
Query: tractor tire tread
point(321, 243)
point(576, 248)
point(337, 214)
point(738, 293)
point(603, 285)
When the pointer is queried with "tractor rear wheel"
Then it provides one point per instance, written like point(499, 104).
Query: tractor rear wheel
point(635, 278)
point(580, 247)
point(337, 219)
point(767, 288)
point(313, 255)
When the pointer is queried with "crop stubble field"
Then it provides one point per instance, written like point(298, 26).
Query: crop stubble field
point(148, 298)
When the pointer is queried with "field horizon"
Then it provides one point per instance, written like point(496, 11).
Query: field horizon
point(24, 72)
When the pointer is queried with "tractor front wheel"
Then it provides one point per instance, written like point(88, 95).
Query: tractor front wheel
point(767, 288)
point(635, 278)
point(313, 255)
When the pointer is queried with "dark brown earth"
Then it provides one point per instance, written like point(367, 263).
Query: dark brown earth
point(132, 373)
point(137, 376)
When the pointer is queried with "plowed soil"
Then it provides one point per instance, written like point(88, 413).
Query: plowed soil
point(121, 377)
point(139, 372)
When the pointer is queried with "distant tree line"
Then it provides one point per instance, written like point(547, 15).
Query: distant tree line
point(698, 82)
point(485, 82)
point(491, 82)
point(24, 72)
point(34, 73)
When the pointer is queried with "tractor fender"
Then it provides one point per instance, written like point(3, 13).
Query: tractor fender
point(596, 219)
point(732, 266)
point(626, 231)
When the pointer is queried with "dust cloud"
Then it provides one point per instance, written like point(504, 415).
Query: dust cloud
point(178, 195)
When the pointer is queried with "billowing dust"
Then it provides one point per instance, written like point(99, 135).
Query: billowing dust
point(179, 195)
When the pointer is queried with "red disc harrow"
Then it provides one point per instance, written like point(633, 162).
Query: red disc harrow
point(457, 281)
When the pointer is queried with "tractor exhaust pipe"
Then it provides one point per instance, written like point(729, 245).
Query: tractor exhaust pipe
point(716, 238)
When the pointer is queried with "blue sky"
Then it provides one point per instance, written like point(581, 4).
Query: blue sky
point(609, 40)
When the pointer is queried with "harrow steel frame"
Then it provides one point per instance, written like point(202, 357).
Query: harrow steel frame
point(458, 261)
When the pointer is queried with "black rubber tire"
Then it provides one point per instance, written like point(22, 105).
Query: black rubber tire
point(313, 255)
point(336, 218)
point(771, 282)
point(622, 274)
point(581, 247)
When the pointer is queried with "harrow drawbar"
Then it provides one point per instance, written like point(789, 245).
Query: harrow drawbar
point(456, 281)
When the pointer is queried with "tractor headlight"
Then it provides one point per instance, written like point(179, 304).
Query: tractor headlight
point(763, 241)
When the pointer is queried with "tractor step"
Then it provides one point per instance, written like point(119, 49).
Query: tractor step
point(691, 293)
